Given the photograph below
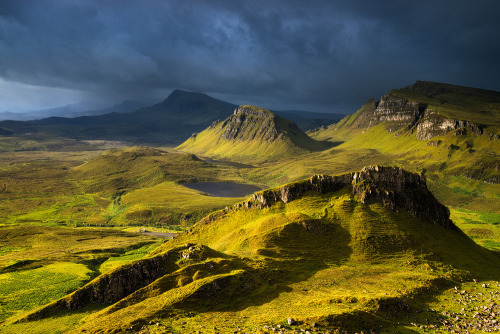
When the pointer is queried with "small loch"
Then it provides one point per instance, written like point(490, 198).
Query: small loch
point(224, 189)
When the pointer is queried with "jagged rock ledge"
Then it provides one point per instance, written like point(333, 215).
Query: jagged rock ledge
point(433, 124)
point(113, 285)
point(401, 114)
point(392, 186)
point(242, 124)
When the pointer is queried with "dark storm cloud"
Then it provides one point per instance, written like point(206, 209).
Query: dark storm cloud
point(316, 55)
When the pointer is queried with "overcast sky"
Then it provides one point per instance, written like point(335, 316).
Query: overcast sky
point(327, 56)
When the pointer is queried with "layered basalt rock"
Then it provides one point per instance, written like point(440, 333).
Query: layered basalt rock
point(398, 113)
point(394, 187)
point(433, 124)
point(397, 188)
point(402, 114)
point(248, 123)
point(399, 110)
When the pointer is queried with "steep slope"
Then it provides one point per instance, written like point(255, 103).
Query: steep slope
point(359, 251)
point(448, 130)
point(251, 134)
point(430, 109)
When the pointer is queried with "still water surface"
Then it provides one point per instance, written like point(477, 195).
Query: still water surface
point(224, 189)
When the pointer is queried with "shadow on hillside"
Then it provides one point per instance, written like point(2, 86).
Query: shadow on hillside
point(331, 144)
point(293, 255)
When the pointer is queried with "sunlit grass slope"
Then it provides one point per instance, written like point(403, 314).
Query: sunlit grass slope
point(466, 103)
point(461, 154)
point(251, 134)
point(168, 203)
point(78, 189)
point(330, 258)
point(40, 264)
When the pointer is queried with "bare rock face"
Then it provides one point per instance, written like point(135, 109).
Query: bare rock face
point(115, 285)
point(397, 188)
point(398, 113)
point(433, 124)
point(392, 186)
point(121, 283)
point(248, 123)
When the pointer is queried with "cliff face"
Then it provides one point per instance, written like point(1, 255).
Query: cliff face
point(397, 188)
point(397, 112)
point(249, 123)
point(420, 107)
point(122, 282)
point(115, 285)
point(432, 124)
point(392, 186)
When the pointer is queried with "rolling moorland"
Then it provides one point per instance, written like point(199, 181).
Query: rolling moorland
point(386, 221)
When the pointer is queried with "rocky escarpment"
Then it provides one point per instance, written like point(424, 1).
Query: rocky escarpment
point(433, 124)
point(401, 114)
point(397, 188)
point(425, 108)
point(398, 113)
point(394, 187)
point(248, 123)
point(115, 285)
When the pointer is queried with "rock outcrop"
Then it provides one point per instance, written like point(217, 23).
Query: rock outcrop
point(398, 113)
point(114, 285)
point(394, 187)
point(433, 124)
point(251, 134)
point(249, 123)
point(397, 188)
point(417, 108)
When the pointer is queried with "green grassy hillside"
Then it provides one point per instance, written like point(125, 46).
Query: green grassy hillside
point(448, 132)
point(325, 252)
point(41, 264)
point(352, 257)
point(251, 134)
point(129, 186)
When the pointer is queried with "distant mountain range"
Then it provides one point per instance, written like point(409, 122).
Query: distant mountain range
point(73, 110)
point(169, 122)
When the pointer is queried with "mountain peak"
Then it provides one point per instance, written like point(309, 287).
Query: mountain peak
point(252, 110)
point(251, 132)
point(184, 94)
point(251, 122)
